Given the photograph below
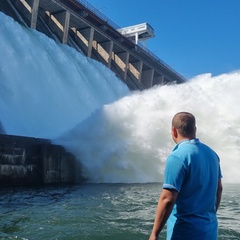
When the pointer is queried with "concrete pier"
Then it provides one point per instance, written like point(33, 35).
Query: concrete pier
point(83, 27)
point(26, 161)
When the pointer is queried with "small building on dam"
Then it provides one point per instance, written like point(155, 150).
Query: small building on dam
point(26, 161)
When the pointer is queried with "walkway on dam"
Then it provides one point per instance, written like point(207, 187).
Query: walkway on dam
point(83, 27)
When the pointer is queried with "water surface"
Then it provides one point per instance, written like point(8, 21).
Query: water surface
point(96, 211)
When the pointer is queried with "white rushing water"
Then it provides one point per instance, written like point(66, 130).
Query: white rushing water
point(47, 88)
point(51, 91)
point(129, 140)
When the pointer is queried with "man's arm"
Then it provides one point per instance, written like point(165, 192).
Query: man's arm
point(166, 202)
point(219, 193)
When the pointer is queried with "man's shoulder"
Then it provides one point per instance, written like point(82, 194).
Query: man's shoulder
point(175, 157)
point(208, 149)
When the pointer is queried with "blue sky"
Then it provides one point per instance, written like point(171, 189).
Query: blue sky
point(192, 36)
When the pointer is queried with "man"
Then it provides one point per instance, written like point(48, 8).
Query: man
point(192, 187)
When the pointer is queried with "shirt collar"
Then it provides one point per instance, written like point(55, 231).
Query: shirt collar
point(193, 141)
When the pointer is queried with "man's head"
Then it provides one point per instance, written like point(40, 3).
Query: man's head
point(183, 126)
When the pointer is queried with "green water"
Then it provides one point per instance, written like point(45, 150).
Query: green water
point(96, 211)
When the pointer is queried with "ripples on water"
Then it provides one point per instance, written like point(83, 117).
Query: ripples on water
point(229, 213)
point(96, 211)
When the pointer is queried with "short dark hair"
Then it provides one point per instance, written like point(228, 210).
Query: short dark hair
point(185, 123)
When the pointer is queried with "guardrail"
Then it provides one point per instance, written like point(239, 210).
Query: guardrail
point(91, 8)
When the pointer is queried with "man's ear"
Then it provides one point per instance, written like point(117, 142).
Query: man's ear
point(174, 132)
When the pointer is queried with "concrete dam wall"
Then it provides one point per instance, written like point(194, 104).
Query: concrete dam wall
point(26, 161)
point(81, 26)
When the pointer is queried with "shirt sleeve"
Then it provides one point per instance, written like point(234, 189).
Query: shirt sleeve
point(174, 173)
point(219, 168)
point(219, 172)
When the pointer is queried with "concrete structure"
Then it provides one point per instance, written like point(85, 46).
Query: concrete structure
point(30, 161)
point(81, 26)
point(140, 32)
point(26, 161)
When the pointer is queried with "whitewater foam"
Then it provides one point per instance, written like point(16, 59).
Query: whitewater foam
point(51, 91)
point(47, 88)
point(129, 140)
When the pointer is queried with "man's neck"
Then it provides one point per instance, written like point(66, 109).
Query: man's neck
point(181, 138)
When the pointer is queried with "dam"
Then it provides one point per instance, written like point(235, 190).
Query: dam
point(26, 160)
point(81, 26)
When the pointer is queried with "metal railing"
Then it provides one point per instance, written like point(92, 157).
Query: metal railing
point(91, 8)
point(115, 26)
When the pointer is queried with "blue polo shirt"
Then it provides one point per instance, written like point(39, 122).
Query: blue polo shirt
point(193, 170)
